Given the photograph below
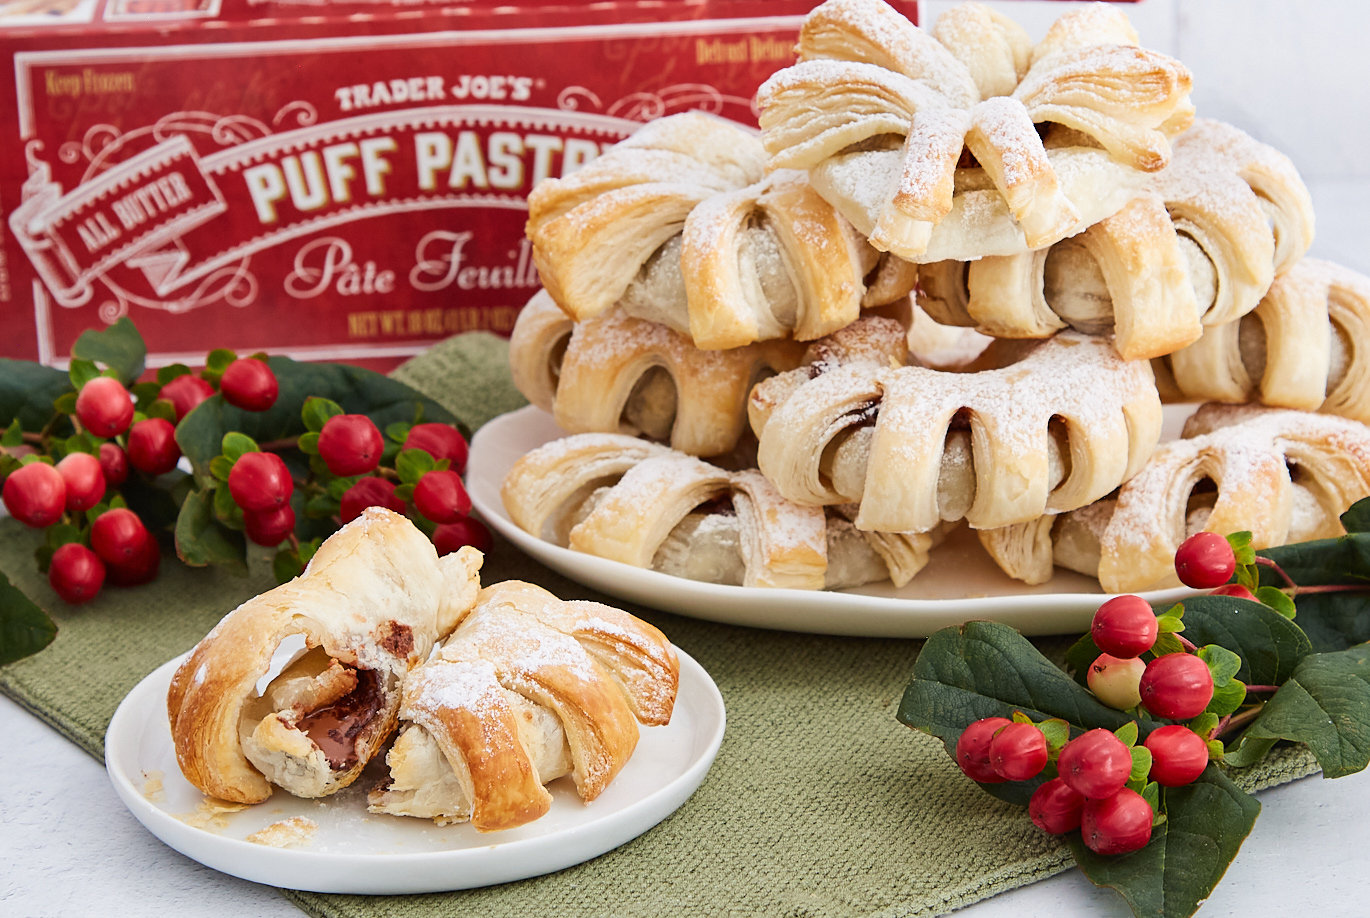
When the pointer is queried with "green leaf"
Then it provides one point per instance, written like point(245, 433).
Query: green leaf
point(1056, 731)
point(81, 372)
point(219, 467)
point(286, 565)
point(413, 464)
point(1332, 620)
point(985, 669)
point(161, 408)
point(14, 435)
point(1222, 663)
point(119, 347)
point(234, 445)
point(1276, 599)
point(25, 628)
point(169, 372)
point(1127, 733)
point(1357, 516)
point(28, 391)
point(1206, 823)
point(1169, 624)
point(320, 506)
point(1241, 547)
point(201, 540)
point(1167, 642)
point(1227, 698)
point(225, 510)
point(60, 534)
point(354, 389)
point(1269, 645)
point(317, 411)
point(1326, 704)
point(398, 432)
point(1141, 767)
point(216, 361)
point(309, 443)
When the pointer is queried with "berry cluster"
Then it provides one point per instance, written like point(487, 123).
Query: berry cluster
point(1104, 783)
point(87, 477)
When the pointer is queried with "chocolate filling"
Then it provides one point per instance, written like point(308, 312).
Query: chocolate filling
point(335, 727)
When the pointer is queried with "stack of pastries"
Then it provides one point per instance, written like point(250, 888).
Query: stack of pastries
point(736, 331)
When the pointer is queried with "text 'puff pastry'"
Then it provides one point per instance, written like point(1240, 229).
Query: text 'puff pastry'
point(1306, 346)
point(1058, 424)
point(681, 224)
point(883, 115)
point(1199, 246)
point(643, 504)
point(527, 689)
point(1285, 476)
point(370, 605)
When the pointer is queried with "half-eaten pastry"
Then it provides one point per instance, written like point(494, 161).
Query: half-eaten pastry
point(1197, 248)
point(970, 141)
point(682, 224)
point(527, 689)
point(370, 605)
point(1284, 476)
point(643, 504)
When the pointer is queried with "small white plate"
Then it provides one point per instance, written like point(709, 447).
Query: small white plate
point(353, 851)
point(960, 583)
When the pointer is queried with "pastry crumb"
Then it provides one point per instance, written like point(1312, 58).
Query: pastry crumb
point(152, 785)
point(212, 813)
point(288, 833)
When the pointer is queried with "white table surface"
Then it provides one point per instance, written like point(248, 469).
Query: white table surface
point(69, 848)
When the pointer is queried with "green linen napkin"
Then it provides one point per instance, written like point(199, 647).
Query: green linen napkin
point(819, 804)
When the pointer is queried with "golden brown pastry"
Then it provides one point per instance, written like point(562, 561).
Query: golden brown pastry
point(1197, 247)
point(618, 374)
point(1034, 428)
point(969, 141)
point(682, 225)
point(370, 605)
point(643, 504)
point(1285, 476)
point(527, 689)
point(1305, 346)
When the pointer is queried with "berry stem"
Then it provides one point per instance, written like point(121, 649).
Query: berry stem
point(1186, 643)
point(275, 446)
point(1331, 588)
point(1262, 688)
point(1236, 721)
point(1266, 562)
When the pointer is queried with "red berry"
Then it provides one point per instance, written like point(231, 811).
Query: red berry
point(1176, 686)
point(369, 492)
point(1125, 626)
point(118, 536)
point(1018, 752)
point(1178, 755)
point(1114, 681)
point(248, 383)
point(152, 446)
point(350, 444)
point(1234, 589)
point(1055, 807)
point(114, 463)
point(1205, 560)
point(185, 392)
point(449, 537)
point(104, 407)
point(442, 497)
point(139, 567)
point(269, 527)
point(77, 573)
point(1118, 824)
point(972, 749)
point(441, 441)
point(1095, 764)
point(35, 495)
point(260, 481)
point(85, 480)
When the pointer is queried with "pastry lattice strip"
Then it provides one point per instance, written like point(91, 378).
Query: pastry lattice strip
point(1054, 430)
point(527, 689)
point(1285, 476)
point(644, 504)
point(681, 224)
point(1198, 247)
point(868, 78)
point(1306, 346)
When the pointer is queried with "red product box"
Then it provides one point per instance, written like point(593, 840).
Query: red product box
point(340, 181)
